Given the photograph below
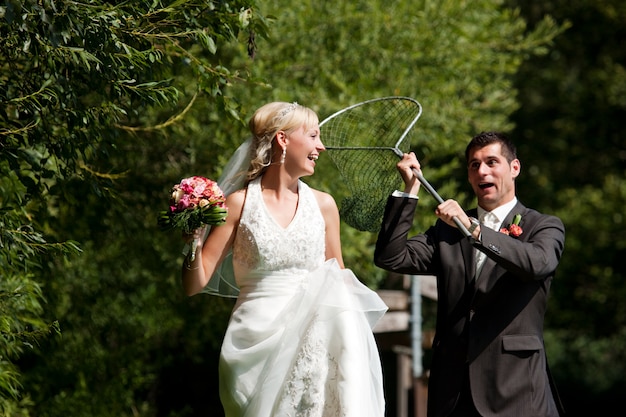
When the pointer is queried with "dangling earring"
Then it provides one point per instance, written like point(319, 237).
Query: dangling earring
point(282, 157)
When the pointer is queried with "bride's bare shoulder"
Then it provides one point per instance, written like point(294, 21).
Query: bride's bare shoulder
point(235, 200)
point(325, 200)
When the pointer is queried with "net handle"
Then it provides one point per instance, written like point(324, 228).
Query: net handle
point(432, 192)
point(436, 195)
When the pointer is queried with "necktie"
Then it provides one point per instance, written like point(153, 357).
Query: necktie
point(489, 220)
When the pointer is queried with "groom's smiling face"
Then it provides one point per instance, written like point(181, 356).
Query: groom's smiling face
point(491, 176)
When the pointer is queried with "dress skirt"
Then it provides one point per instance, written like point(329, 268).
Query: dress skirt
point(302, 346)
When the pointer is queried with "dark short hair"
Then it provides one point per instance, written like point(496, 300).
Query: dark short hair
point(487, 138)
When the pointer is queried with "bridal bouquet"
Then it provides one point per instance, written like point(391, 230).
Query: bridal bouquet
point(194, 203)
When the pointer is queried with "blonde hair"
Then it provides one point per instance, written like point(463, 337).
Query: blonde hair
point(265, 123)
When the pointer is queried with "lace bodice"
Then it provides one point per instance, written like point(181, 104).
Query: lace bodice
point(262, 246)
point(299, 341)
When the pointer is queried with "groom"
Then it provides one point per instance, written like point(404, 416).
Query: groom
point(488, 351)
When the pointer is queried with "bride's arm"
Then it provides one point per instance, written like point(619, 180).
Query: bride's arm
point(329, 209)
point(196, 274)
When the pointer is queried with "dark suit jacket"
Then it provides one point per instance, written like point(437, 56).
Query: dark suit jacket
point(492, 324)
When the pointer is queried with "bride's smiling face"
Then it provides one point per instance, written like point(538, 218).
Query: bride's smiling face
point(303, 147)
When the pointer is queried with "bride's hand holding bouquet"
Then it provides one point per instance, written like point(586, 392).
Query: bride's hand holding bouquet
point(195, 203)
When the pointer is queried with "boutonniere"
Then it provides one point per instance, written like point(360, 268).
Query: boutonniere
point(514, 229)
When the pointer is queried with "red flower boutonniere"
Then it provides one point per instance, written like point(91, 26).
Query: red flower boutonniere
point(514, 229)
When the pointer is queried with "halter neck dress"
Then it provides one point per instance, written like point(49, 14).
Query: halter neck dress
point(299, 340)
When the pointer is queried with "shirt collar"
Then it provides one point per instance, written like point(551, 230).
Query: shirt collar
point(499, 212)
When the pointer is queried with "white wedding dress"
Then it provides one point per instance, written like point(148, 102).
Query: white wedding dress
point(299, 341)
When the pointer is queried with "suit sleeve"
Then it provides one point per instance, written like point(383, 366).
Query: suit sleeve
point(394, 250)
point(535, 255)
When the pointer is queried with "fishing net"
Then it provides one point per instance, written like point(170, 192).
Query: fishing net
point(364, 142)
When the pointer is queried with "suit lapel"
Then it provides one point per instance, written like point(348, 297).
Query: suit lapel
point(490, 267)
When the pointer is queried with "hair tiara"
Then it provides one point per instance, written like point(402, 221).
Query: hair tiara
point(291, 107)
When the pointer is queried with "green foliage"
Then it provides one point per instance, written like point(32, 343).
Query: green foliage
point(21, 325)
point(570, 139)
point(78, 81)
point(591, 280)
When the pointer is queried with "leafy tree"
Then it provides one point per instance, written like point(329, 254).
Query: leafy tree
point(570, 130)
point(79, 80)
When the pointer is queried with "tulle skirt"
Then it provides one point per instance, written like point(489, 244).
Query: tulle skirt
point(303, 346)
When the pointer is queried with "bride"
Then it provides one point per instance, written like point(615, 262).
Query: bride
point(299, 340)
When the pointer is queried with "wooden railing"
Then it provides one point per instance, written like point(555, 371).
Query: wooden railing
point(395, 333)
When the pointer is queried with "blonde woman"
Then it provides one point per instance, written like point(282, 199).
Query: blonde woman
point(299, 341)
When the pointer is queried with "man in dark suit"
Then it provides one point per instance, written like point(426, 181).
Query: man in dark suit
point(488, 351)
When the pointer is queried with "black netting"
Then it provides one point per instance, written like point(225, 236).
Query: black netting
point(364, 142)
